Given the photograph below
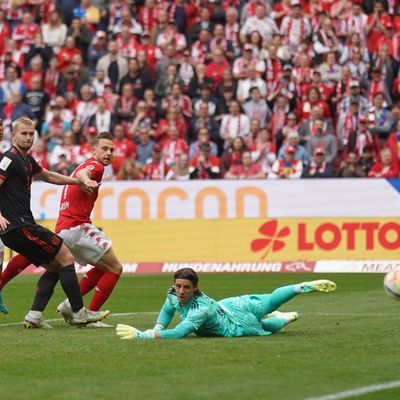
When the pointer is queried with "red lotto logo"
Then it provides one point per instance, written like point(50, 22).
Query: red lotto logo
point(272, 238)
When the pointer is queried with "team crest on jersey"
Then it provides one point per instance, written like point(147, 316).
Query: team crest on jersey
point(5, 162)
point(55, 240)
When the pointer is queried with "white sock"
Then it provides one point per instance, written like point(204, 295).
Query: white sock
point(297, 288)
point(35, 314)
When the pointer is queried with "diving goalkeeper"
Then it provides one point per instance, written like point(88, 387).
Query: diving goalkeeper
point(231, 317)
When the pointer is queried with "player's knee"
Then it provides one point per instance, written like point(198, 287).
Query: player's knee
point(117, 269)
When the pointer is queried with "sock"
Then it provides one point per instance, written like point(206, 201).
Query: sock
point(273, 324)
point(103, 290)
point(70, 285)
point(15, 266)
point(90, 279)
point(44, 290)
point(279, 296)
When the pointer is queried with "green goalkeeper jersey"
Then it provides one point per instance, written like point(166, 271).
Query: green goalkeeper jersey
point(206, 317)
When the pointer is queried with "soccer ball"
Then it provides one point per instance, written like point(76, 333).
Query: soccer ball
point(391, 283)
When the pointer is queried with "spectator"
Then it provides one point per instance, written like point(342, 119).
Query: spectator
point(287, 167)
point(233, 154)
point(144, 146)
point(203, 136)
point(11, 84)
point(393, 144)
point(300, 152)
point(180, 171)
point(129, 171)
point(204, 120)
point(156, 167)
point(247, 169)
point(386, 167)
point(173, 146)
point(37, 100)
point(54, 32)
point(114, 64)
point(103, 120)
point(257, 108)
point(318, 168)
point(350, 168)
point(204, 165)
point(234, 124)
point(67, 149)
point(97, 49)
point(322, 140)
point(366, 161)
point(39, 49)
point(123, 149)
point(380, 118)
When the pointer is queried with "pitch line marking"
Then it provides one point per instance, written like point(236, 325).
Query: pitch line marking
point(318, 314)
point(111, 315)
point(358, 392)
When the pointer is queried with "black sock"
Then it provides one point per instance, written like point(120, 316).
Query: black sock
point(44, 290)
point(70, 285)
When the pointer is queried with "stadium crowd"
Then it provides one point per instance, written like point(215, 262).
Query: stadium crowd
point(207, 89)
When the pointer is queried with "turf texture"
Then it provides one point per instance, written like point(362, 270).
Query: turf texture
point(343, 340)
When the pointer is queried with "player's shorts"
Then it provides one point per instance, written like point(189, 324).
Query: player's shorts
point(36, 243)
point(87, 243)
point(248, 311)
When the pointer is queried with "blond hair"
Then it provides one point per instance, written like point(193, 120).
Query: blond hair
point(22, 121)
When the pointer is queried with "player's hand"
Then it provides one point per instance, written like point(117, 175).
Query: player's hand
point(89, 185)
point(127, 332)
point(4, 222)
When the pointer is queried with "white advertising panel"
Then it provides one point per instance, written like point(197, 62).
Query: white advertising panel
point(232, 199)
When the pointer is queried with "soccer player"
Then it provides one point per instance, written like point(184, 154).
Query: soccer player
point(231, 317)
point(20, 232)
point(87, 243)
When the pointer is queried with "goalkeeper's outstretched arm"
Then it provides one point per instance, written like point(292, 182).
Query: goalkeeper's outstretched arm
point(182, 330)
point(164, 317)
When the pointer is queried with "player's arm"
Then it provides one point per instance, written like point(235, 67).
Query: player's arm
point(3, 221)
point(58, 179)
point(182, 330)
point(164, 317)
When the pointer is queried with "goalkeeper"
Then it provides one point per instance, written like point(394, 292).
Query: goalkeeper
point(231, 317)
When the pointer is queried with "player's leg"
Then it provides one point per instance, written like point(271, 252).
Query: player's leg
point(271, 302)
point(112, 271)
point(3, 307)
point(277, 320)
point(91, 246)
point(14, 267)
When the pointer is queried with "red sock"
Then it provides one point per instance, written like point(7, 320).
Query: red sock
point(103, 290)
point(16, 265)
point(90, 279)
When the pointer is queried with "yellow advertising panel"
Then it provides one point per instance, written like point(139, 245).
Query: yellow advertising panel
point(254, 240)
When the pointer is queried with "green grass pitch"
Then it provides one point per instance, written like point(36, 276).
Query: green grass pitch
point(342, 340)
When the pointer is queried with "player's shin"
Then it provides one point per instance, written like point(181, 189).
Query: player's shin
point(44, 290)
point(70, 285)
point(14, 267)
point(103, 290)
point(90, 279)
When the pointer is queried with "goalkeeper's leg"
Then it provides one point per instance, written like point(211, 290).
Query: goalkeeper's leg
point(273, 301)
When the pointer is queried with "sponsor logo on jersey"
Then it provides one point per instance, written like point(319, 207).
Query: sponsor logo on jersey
point(5, 162)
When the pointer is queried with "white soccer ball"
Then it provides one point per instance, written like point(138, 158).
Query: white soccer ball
point(391, 283)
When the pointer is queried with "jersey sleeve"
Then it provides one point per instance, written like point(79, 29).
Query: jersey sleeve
point(36, 168)
point(182, 330)
point(8, 166)
point(96, 169)
point(166, 314)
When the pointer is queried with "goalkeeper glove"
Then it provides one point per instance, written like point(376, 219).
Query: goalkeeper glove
point(129, 332)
